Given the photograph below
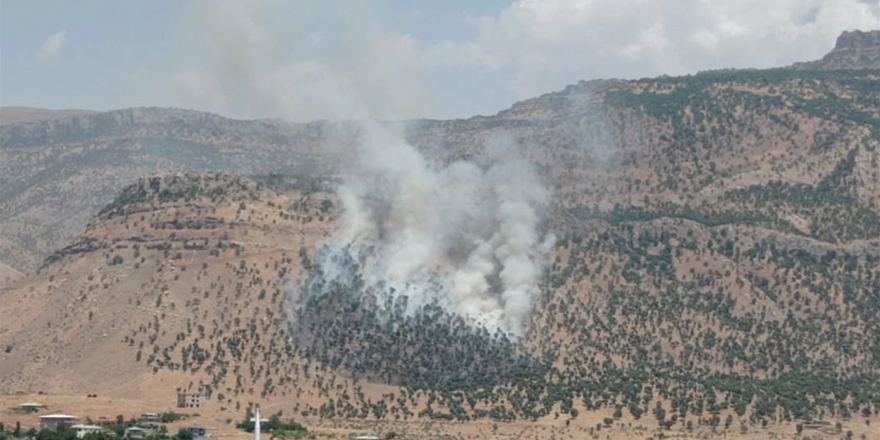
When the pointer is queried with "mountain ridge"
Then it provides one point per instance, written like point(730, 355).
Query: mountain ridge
point(853, 50)
point(717, 260)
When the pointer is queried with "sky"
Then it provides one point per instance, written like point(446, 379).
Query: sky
point(386, 59)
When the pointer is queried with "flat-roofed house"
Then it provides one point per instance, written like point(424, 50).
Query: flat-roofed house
point(150, 417)
point(82, 430)
point(190, 400)
point(51, 421)
point(135, 432)
point(31, 406)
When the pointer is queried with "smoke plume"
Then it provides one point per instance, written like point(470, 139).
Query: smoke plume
point(463, 236)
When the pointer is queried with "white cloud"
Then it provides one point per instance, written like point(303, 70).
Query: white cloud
point(52, 45)
point(354, 65)
point(546, 44)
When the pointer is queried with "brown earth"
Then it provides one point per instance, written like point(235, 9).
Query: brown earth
point(8, 276)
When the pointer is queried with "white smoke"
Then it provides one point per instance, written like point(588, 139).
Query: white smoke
point(464, 236)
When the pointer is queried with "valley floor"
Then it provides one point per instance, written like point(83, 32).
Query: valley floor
point(221, 423)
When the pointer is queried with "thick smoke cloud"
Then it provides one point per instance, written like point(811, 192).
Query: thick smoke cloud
point(465, 236)
point(269, 59)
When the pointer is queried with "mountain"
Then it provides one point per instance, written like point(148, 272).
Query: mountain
point(717, 261)
point(58, 173)
point(55, 173)
point(854, 50)
point(123, 277)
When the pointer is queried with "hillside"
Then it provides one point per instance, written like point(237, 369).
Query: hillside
point(184, 280)
point(8, 276)
point(716, 265)
point(56, 174)
point(732, 128)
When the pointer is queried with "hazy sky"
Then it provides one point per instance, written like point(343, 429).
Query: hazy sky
point(308, 59)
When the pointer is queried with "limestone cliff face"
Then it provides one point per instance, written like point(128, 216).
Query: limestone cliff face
point(853, 50)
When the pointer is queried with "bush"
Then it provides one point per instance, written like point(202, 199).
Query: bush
point(171, 416)
point(274, 424)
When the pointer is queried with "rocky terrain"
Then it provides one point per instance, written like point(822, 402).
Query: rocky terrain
point(716, 269)
point(854, 50)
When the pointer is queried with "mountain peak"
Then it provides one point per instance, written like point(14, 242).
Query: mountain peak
point(854, 50)
point(858, 40)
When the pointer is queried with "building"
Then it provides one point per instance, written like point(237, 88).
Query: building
point(135, 432)
point(150, 417)
point(190, 400)
point(52, 421)
point(30, 407)
point(366, 437)
point(82, 430)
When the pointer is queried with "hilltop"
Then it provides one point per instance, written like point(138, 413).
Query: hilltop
point(853, 50)
point(715, 269)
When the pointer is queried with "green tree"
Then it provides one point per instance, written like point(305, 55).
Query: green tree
point(184, 434)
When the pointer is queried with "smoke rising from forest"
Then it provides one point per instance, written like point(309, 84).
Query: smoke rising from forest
point(463, 236)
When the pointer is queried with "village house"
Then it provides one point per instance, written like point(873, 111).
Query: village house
point(190, 400)
point(135, 432)
point(150, 417)
point(82, 430)
point(52, 421)
point(30, 407)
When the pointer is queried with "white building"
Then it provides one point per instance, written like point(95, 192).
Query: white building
point(135, 432)
point(51, 421)
point(82, 430)
point(31, 406)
